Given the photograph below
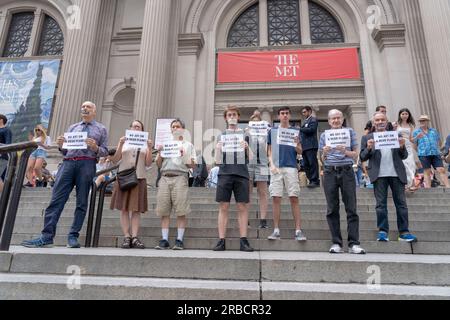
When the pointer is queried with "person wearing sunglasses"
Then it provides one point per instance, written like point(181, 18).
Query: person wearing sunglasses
point(37, 158)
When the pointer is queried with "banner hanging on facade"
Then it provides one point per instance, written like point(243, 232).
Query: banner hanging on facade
point(292, 65)
point(27, 90)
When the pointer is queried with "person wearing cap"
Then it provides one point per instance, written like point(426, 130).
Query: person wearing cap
point(428, 143)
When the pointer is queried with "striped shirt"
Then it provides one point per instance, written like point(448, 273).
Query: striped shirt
point(335, 157)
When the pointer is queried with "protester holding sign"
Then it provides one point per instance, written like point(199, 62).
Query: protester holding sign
point(386, 169)
point(338, 148)
point(232, 155)
point(173, 191)
point(133, 202)
point(259, 164)
point(283, 150)
point(77, 170)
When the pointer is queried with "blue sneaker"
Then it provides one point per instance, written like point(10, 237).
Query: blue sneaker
point(383, 237)
point(38, 243)
point(73, 243)
point(407, 237)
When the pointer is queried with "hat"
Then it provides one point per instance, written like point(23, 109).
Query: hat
point(424, 117)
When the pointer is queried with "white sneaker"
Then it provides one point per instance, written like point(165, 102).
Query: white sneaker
point(299, 236)
point(335, 248)
point(356, 250)
point(274, 236)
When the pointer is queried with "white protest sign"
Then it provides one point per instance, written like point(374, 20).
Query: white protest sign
point(232, 143)
point(75, 141)
point(286, 137)
point(163, 132)
point(335, 138)
point(258, 128)
point(171, 150)
point(386, 140)
point(136, 139)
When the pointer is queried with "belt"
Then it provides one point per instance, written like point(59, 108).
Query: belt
point(169, 175)
point(339, 168)
point(79, 159)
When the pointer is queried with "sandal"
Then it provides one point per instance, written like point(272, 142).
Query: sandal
point(137, 244)
point(126, 244)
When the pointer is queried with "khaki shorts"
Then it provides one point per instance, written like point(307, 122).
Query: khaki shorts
point(287, 178)
point(173, 194)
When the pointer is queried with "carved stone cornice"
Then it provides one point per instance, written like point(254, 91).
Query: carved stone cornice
point(390, 35)
point(190, 44)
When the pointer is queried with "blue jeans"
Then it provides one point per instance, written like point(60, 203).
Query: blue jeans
point(398, 194)
point(72, 174)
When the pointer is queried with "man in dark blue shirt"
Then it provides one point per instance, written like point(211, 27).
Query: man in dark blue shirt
point(5, 138)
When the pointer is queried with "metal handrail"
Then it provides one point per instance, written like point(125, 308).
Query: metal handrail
point(94, 190)
point(10, 201)
point(7, 187)
point(98, 220)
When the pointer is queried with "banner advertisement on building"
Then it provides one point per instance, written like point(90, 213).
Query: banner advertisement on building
point(27, 90)
point(292, 65)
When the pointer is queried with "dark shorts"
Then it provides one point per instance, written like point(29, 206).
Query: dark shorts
point(431, 161)
point(233, 184)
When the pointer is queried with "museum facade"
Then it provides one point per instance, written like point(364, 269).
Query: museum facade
point(149, 59)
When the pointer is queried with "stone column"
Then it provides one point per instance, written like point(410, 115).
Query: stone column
point(436, 26)
point(76, 69)
point(426, 94)
point(305, 27)
point(101, 55)
point(3, 31)
point(189, 47)
point(151, 93)
point(34, 39)
point(266, 115)
point(263, 27)
point(357, 118)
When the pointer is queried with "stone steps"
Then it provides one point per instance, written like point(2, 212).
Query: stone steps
point(298, 267)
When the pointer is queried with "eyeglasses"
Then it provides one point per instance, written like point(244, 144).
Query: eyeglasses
point(38, 130)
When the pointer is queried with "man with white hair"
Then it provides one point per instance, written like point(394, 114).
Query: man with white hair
point(338, 174)
point(78, 170)
point(386, 169)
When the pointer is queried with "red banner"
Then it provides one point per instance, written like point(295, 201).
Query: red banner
point(293, 65)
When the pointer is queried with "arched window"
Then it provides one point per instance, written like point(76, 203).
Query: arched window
point(19, 35)
point(52, 39)
point(284, 22)
point(324, 27)
point(245, 30)
point(284, 25)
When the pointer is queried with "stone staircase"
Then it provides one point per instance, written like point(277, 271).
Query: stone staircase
point(282, 269)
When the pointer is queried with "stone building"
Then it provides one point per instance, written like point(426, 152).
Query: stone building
point(149, 59)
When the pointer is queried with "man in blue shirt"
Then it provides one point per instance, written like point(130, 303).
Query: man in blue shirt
point(284, 174)
point(428, 142)
point(5, 138)
point(78, 170)
point(338, 174)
